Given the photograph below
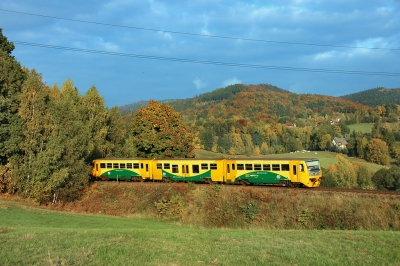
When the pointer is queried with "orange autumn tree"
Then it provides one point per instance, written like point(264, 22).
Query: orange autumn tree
point(159, 132)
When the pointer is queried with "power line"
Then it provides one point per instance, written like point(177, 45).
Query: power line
point(201, 35)
point(194, 61)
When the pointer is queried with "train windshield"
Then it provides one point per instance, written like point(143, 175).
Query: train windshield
point(313, 165)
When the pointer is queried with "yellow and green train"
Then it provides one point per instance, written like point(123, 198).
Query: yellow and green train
point(261, 171)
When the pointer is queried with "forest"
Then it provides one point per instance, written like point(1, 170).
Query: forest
point(49, 134)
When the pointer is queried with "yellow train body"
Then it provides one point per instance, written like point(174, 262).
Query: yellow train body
point(287, 172)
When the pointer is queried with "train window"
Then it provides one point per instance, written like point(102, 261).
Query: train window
point(240, 166)
point(266, 167)
point(301, 168)
point(257, 167)
point(115, 165)
point(102, 165)
point(204, 166)
point(175, 168)
point(135, 166)
point(167, 166)
point(233, 166)
point(141, 166)
point(249, 166)
point(159, 166)
point(213, 166)
point(285, 167)
point(121, 165)
point(109, 165)
point(97, 167)
point(129, 165)
point(276, 167)
point(195, 169)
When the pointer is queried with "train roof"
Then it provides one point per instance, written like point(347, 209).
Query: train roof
point(213, 159)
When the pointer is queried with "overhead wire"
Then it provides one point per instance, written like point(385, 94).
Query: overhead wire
point(183, 60)
point(198, 34)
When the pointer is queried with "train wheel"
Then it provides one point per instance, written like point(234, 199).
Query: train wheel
point(244, 182)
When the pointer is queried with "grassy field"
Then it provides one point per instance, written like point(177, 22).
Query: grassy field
point(326, 158)
point(364, 127)
point(31, 236)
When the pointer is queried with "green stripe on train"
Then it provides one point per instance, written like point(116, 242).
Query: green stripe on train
point(194, 178)
point(262, 177)
point(120, 174)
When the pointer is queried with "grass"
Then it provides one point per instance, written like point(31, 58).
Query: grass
point(363, 127)
point(30, 236)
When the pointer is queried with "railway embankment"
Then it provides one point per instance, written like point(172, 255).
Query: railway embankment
point(228, 206)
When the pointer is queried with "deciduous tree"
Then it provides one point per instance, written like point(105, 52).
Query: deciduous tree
point(378, 152)
point(344, 173)
point(158, 131)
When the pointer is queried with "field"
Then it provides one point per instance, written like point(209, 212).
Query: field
point(326, 158)
point(34, 236)
point(364, 127)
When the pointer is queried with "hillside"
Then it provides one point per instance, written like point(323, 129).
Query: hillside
point(262, 102)
point(375, 97)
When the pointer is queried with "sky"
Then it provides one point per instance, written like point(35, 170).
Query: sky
point(134, 50)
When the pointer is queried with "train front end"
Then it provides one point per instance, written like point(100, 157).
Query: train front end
point(314, 173)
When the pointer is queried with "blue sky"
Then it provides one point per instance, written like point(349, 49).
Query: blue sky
point(134, 50)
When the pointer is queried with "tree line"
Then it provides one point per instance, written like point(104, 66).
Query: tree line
point(50, 135)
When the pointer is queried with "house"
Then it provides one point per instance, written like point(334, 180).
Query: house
point(290, 124)
point(335, 121)
point(340, 142)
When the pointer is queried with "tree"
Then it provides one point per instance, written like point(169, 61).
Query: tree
point(387, 178)
point(11, 79)
point(158, 131)
point(97, 127)
point(344, 173)
point(364, 177)
point(378, 152)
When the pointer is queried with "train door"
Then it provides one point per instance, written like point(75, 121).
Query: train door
point(185, 170)
point(294, 177)
point(145, 169)
point(228, 171)
point(156, 170)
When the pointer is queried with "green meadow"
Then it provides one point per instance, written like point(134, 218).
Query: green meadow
point(34, 236)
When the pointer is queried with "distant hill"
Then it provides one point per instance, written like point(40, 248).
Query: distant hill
point(133, 107)
point(375, 97)
point(262, 102)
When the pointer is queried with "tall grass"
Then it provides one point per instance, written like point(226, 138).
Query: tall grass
point(229, 206)
point(30, 236)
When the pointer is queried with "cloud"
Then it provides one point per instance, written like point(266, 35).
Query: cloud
point(231, 81)
point(199, 83)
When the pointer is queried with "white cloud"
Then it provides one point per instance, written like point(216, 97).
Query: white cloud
point(199, 83)
point(231, 81)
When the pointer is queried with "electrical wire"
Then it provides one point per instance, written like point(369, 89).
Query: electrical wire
point(194, 61)
point(200, 35)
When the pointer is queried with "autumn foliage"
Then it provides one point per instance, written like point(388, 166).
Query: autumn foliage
point(158, 131)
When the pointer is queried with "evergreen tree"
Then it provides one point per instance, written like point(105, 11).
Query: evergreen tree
point(11, 79)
